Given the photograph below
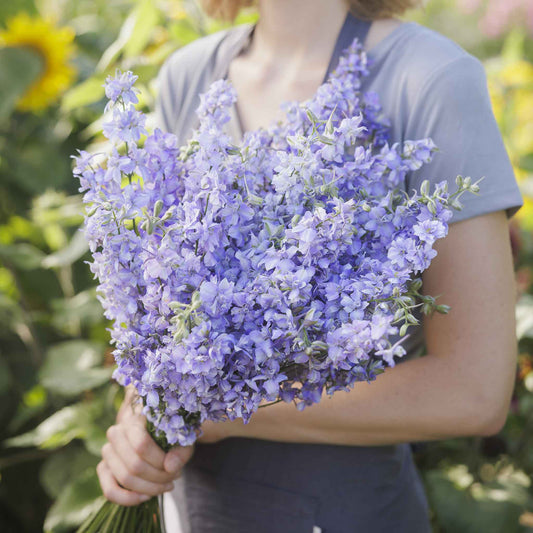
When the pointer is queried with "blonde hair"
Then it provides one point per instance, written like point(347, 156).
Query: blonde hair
point(366, 9)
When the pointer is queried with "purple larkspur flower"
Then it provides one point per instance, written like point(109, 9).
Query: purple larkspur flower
point(271, 269)
point(121, 87)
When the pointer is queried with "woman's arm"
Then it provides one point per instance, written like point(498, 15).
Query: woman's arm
point(462, 387)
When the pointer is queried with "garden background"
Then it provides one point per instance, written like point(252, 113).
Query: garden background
point(56, 395)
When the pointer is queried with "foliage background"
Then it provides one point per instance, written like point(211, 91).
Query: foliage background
point(56, 396)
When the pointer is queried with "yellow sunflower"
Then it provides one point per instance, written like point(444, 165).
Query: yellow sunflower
point(55, 47)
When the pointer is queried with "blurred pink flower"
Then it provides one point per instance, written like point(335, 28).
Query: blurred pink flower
point(497, 16)
point(469, 6)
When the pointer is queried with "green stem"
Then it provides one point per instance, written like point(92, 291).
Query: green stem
point(108, 524)
point(117, 520)
point(270, 403)
point(95, 518)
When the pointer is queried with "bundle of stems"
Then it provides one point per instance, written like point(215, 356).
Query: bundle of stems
point(113, 518)
point(146, 517)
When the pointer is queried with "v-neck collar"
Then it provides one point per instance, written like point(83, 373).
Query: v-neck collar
point(239, 38)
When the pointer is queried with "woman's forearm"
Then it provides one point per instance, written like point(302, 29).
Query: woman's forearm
point(421, 399)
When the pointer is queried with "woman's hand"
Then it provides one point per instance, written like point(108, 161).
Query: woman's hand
point(133, 467)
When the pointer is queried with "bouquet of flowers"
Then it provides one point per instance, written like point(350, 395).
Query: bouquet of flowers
point(275, 270)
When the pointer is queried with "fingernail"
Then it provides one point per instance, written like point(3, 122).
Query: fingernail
point(169, 486)
point(145, 497)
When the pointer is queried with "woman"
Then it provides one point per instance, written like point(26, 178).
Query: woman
point(345, 464)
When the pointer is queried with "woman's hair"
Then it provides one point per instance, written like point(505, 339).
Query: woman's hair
point(367, 9)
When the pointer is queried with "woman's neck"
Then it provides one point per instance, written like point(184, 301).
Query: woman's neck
point(298, 28)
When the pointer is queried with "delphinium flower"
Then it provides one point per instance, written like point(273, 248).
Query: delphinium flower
point(277, 270)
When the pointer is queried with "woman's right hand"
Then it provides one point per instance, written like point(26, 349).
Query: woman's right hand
point(133, 467)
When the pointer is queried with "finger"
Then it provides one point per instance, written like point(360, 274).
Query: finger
point(113, 492)
point(131, 413)
point(128, 406)
point(135, 464)
point(144, 445)
point(127, 479)
point(176, 458)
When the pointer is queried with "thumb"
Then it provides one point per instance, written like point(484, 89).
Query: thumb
point(176, 458)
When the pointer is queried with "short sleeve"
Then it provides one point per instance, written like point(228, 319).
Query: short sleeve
point(185, 74)
point(453, 108)
point(165, 103)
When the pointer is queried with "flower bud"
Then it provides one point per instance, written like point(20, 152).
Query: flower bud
point(398, 315)
point(149, 226)
point(416, 285)
point(158, 207)
point(456, 204)
point(255, 200)
point(311, 116)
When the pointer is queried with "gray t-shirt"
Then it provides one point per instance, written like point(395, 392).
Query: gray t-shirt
point(428, 87)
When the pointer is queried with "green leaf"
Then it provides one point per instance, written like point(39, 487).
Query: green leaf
point(146, 19)
point(526, 162)
point(10, 9)
point(76, 502)
point(38, 164)
point(75, 249)
point(114, 50)
point(83, 309)
point(70, 368)
point(88, 92)
point(24, 256)
point(63, 466)
point(19, 67)
point(183, 31)
point(514, 44)
point(58, 430)
point(5, 376)
point(10, 312)
point(55, 207)
point(127, 39)
point(32, 406)
point(95, 439)
point(18, 228)
point(471, 508)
